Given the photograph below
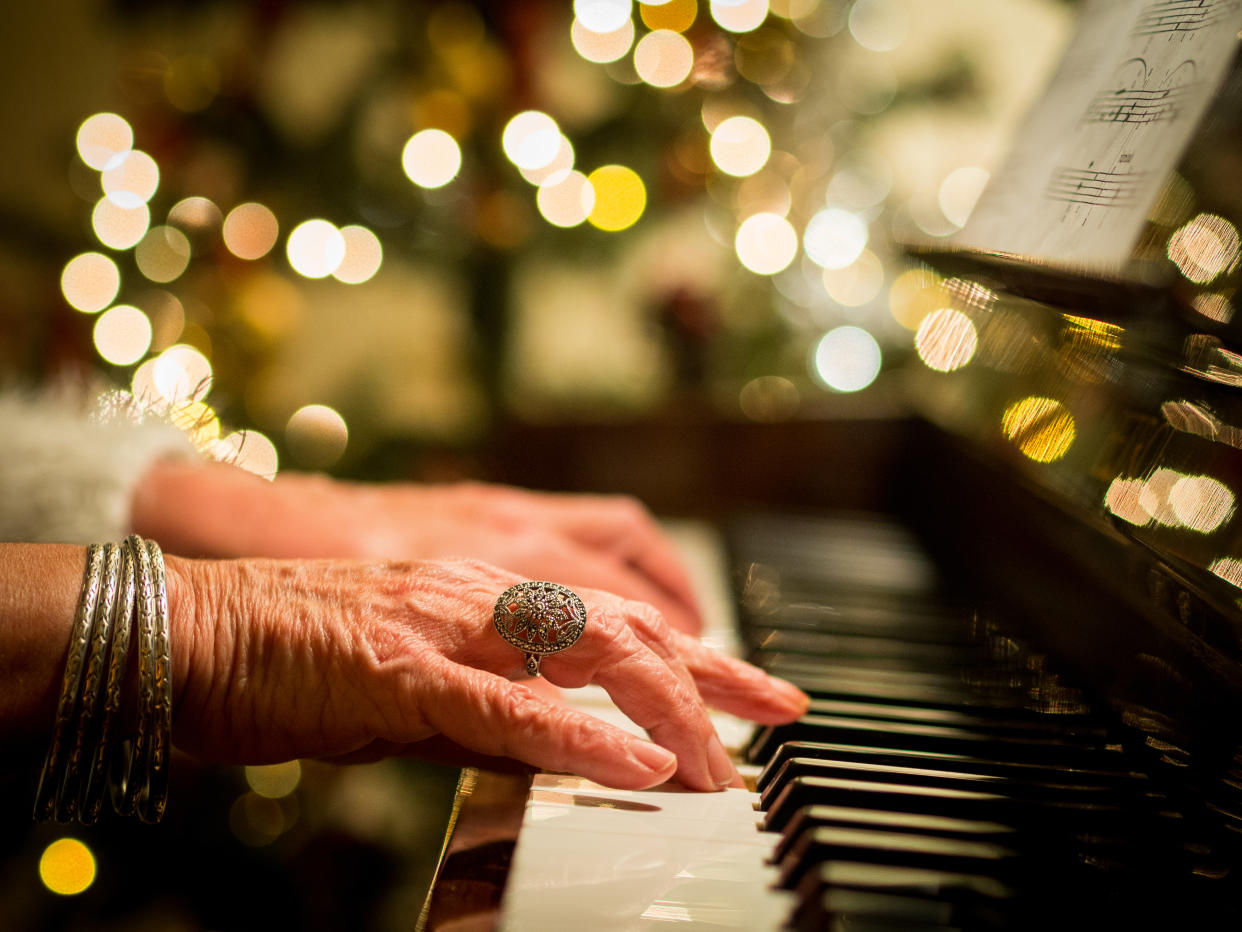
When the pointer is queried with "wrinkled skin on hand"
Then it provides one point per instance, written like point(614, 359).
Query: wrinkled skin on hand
point(606, 542)
point(278, 659)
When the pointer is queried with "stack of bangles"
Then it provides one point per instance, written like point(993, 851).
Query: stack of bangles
point(113, 730)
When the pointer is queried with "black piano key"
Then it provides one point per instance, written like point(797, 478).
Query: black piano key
point(898, 849)
point(1104, 768)
point(1102, 817)
point(894, 894)
point(897, 653)
point(918, 736)
point(1025, 791)
point(875, 618)
point(993, 720)
point(832, 791)
point(810, 817)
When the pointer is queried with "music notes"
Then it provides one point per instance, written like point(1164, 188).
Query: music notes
point(1134, 83)
point(1138, 105)
point(1094, 188)
point(1182, 16)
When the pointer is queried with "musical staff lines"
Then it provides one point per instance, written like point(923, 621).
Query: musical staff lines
point(1182, 16)
point(1093, 188)
point(1135, 105)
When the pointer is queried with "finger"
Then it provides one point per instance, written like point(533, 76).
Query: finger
point(623, 527)
point(491, 715)
point(584, 567)
point(647, 690)
point(738, 687)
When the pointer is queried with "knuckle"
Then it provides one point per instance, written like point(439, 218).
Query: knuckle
point(612, 631)
point(650, 623)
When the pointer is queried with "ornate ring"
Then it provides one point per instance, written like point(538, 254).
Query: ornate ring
point(539, 618)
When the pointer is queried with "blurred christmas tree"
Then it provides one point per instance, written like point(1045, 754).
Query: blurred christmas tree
point(412, 219)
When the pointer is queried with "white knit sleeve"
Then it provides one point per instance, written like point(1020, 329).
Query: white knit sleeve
point(68, 475)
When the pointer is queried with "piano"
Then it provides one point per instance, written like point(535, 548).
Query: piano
point(1016, 601)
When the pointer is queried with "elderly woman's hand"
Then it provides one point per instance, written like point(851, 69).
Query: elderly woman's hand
point(275, 660)
point(607, 542)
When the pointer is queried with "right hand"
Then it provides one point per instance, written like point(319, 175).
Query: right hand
point(281, 659)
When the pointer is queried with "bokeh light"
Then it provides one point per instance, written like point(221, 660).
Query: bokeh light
point(959, 192)
point(363, 255)
point(739, 15)
point(602, 15)
point(315, 248)
point(878, 25)
point(857, 283)
point(531, 139)
point(769, 398)
point(567, 200)
point(316, 436)
point(179, 374)
point(250, 231)
point(67, 867)
point(1205, 248)
point(602, 47)
point(677, 15)
point(563, 161)
point(766, 243)
point(1123, 499)
point(122, 335)
point(1041, 428)
point(1213, 306)
point(431, 158)
point(663, 58)
point(163, 254)
point(847, 359)
point(914, 294)
point(620, 197)
point(90, 282)
point(946, 340)
point(1201, 503)
point(119, 227)
point(195, 214)
point(199, 421)
point(250, 450)
point(133, 180)
point(834, 238)
point(104, 140)
point(274, 781)
point(256, 820)
point(740, 146)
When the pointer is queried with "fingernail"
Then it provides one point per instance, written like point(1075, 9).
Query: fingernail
point(718, 763)
point(652, 756)
point(791, 694)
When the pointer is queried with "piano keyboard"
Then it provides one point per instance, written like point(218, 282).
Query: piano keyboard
point(943, 778)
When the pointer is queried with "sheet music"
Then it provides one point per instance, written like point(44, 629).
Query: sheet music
point(1096, 149)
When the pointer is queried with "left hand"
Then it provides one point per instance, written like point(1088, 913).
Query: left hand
point(595, 541)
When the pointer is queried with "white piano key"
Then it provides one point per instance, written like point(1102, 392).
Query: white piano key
point(590, 857)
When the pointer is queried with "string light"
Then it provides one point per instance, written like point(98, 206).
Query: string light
point(103, 140)
point(602, 15)
point(90, 282)
point(431, 158)
point(315, 248)
point(620, 197)
point(250, 231)
point(602, 47)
